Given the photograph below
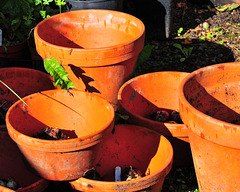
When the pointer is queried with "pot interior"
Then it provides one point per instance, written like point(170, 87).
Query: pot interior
point(90, 29)
point(151, 92)
point(78, 114)
point(215, 92)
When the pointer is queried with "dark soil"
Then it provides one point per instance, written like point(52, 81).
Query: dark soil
point(219, 43)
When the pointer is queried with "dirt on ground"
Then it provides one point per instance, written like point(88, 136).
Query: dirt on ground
point(201, 35)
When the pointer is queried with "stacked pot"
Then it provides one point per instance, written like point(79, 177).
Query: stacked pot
point(99, 49)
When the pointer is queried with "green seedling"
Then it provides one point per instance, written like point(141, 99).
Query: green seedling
point(228, 7)
point(2, 115)
point(221, 42)
point(58, 73)
point(13, 92)
point(217, 29)
point(185, 51)
point(180, 30)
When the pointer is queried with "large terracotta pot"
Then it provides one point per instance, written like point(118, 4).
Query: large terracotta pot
point(135, 146)
point(98, 48)
point(141, 96)
point(13, 166)
point(83, 117)
point(210, 107)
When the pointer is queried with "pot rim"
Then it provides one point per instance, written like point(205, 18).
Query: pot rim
point(135, 184)
point(231, 132)
point(128, 49)
point(170, 126)
point(60, 145)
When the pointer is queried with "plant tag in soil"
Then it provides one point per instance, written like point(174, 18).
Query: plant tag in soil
point(0, 37)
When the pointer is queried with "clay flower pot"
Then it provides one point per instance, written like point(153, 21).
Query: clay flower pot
point(141, 96)
point(130, 145)
point(210, 107)
point(24, 82)
point(85, 118)
point(17, 51)
point(13, 166)
point(98, 48)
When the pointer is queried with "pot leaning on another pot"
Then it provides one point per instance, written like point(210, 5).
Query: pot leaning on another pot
point(84, 117)
point(140, 97)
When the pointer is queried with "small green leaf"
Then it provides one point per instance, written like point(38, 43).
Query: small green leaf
point(182, 59)
point(177, 45)
point(58, 73)
point(37, 2)
point(43, 14)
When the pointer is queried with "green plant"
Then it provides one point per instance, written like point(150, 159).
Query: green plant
point(44, 8)
point(227, 7)
point(58, 73)
point(2, 111)
point(180, 30)
point(185, 51)
point(19, 17)
point(15, 20)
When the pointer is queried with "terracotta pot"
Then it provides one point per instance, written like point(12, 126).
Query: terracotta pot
point(14, 51)
point(24, 82)
point(141, 96)
point(146, 150)
point(84, 117)
point(209, 106)
point(98, 48)
point(13, 166)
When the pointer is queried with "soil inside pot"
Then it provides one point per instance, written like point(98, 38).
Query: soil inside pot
point(9, 183)
point(127, 174)
point(50, 133)
point(166, 116)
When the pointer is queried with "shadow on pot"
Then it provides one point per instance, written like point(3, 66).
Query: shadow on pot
point(79, 73)
point(209, 106)
point(141, 97)
point(88, 117)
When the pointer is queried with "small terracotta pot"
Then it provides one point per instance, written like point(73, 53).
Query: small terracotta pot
point(210, 107)
point(98, 48)
point(143, 95)
point(14, 51)
point(84, 117)
point(130, 145)
point(13, 166)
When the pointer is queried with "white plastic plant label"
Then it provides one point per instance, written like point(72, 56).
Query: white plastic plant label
point(0, 37)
